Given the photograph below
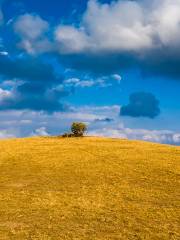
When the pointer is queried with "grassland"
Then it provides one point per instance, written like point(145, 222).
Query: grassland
point(88, 189)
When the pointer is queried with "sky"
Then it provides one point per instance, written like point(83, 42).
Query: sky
point(114, 65)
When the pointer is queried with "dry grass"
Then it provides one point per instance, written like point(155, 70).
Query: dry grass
point(88, 189)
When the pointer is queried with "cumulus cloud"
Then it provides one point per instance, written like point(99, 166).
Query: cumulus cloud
point(108, 28)
point(71, 40)
point(124, 34)
point(111, 36)
point(141, 104)
point(30, 26)
point(123, 26)
point(32, 32)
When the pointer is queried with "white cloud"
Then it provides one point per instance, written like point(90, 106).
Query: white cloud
point(72, 81)
point(123, 26)
point(108, 132)
point(104, 81)
point(32, 31)
point(117, 26)
point(85, 83)
point(4, 94)
point(166, 21)
point(70, 39)
point(159, 136)
point(4, 53)
point(76, 82)
point(41, 132)
point(117, 77)
point(30, 26)
point(9, 83)
point(176, 138)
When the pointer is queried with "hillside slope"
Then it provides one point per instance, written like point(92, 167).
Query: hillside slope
point(88, 189)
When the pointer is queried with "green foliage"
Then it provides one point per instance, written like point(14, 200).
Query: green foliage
point(78, 129)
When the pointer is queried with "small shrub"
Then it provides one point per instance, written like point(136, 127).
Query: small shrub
point(67, 135)
point(70, 135)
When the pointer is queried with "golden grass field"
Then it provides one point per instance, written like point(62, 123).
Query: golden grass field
point(88, 189)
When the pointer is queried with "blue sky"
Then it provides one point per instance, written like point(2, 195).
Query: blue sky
point(112, 64)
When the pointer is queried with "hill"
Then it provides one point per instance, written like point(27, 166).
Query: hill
point(88, 189)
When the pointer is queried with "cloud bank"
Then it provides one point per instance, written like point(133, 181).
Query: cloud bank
point(111, 37)
point(102, 121)
point(143, 34)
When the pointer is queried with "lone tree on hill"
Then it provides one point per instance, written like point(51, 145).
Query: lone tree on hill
point(78, 129)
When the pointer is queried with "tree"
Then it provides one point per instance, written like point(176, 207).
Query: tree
point(78, 129)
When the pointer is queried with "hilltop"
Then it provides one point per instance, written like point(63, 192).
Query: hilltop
point(88, 189)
